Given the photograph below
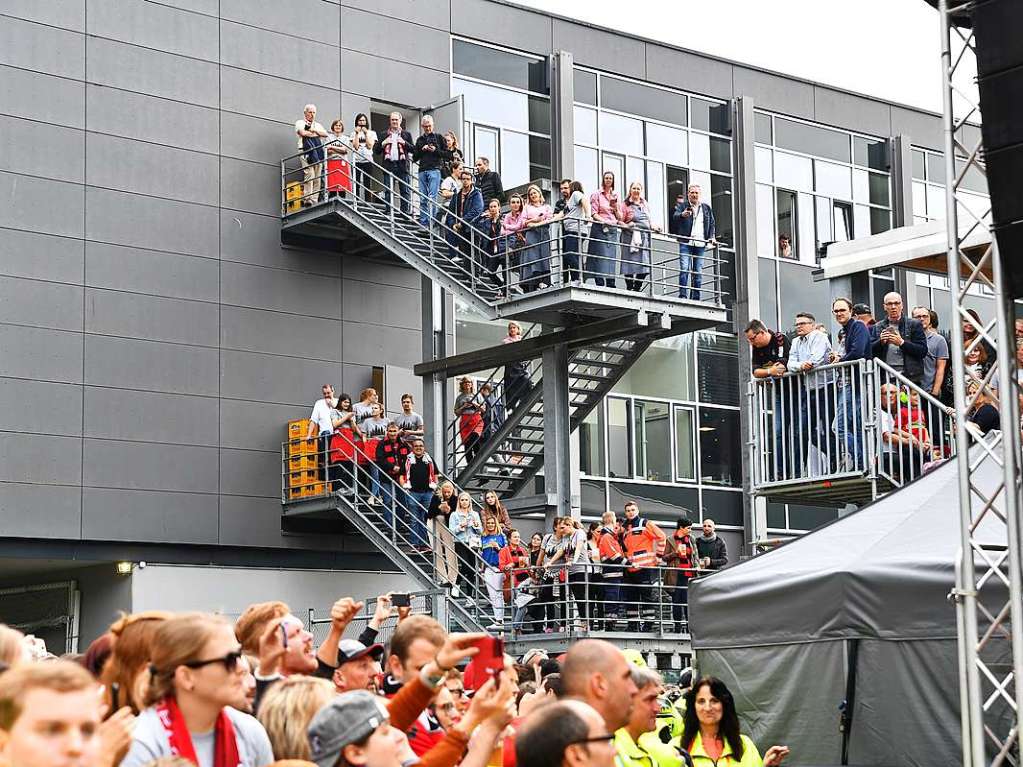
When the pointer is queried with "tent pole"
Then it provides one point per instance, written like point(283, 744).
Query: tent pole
point(853, 649)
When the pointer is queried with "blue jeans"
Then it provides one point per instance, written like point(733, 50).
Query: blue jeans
point(429, 187)
point(849, 423)
point(395, 498)
point(690, 259)
point(612, 597)
point(400, 172)
point(418, 506)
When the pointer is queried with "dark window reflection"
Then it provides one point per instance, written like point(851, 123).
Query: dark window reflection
point(540, 151)
point(591, 443)
point(785, 204)
point(499, 66)
point(810, 517)
point(717, 369)
point(677, 182)
point(768, 292)
point(799, 293)
point(723, 507)
point(721, 155)
point(871, 153)
point(539, 115)
point(762, 128)
point(593, 498)
point(619, 438)
point(720, 443)
point(776, 515)
point(711, 117)
point(810, 139)
point(660, 503)
point(721, 202)
point(880, 193)
point(585, 84)
point(642, 100)
point(880, 220)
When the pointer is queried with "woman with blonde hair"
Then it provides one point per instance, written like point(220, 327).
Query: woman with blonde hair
point(13, 649)
point(535, 260)
point(196, 679)
point(467, 530)
point(637, 225)
point(286, 710)
point(442, 506)
point(123, 678)
point(469, 408)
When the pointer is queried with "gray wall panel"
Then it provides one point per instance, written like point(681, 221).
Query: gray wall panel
point(257, 522)
point(40, 511)
point(380, 345)
point(249, 472)
point(154, 25)
point(38, 149)
point(64, 103)
point(41, 256)
point(273, 98)
point(150, 366)
point(251, 239)
point(41, 408)
point(151, 169)
point(149, 466)
point(148, 222)
point(209, 7)
point(378, 272)
point(146, 118)
point(689, 71)
point(153, 72)
point(305, 19)
point(32, 46)
point(40, 459)
point(923, 129)
point(256, 139)
point(21, 358)
point(67, 14)
point(130, 315)
point(774, 92)
point(371, 32)
point(250, 187)
point(598, 48)
point(265, 378)
point(396, 307)
point(845, 110)
point(133, 515)
point(502, 24)
point(435, 14)
point(393, 81)
point(258, 425)
point(150, 417)
point(257, 330)
point(149, 271)
point(355, 378)
point(279, 290)
point(271, 53)
point(29, 203)
point(40, 304)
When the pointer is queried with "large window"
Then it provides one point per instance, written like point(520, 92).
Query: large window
point(929, 188)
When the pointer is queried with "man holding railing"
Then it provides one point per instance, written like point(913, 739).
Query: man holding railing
point(769, 354)
point(854, 344)
point(812, 349)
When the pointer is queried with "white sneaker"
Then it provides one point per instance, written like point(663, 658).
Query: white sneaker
point(495, 627)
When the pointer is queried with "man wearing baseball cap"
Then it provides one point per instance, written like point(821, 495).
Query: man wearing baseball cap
point(357, 665)
point(354, 728)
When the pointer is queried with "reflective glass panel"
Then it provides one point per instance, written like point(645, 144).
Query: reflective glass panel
point(585, 125)
point(725, 508)
point(935, 201)
point(919, 198)
point(643, 100)
point(785, 202)
point(721, 155)
point(720, 461)
point(762, 128)
point(716, 366)
point(616, 165)
point(880, 220)
point(492, 106)
point(666, 369)
point(622, 134)
point(685, 460)
point(880, 192)
point(765, 221)
point(807, 238)
point(619, 437)
point(768, 291)
point(653, 440)
point(586, 168)
point(659, 503)
point(871, 153)
point(799, 293)
point(655, 192)
point(585, 86)
point(540, 152)
point(918, 165)
point(593, 499)
point(539, 115)
point(721, 201)
point(699, 151)
point(485, 63)
point(634, 171)
point(676, 183)
point(833, 180)
point(822, 210)
point(709, 116)
point(485, 142)
point(793, 172)
point(776, 516)
point(591, 443)
point(514, 158)
point(810, 517)
point(936, 168)
point(861, 185)
point(811, 139)
point(973, 179)
point(861, 221)
point(665, 143)
point(762, 157)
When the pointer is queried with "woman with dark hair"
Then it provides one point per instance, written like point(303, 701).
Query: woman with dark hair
point(710, 730)
point(363, 139)
point(342, 445)
point(606, 214)
point(492, 507)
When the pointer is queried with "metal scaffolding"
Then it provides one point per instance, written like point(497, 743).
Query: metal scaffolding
point(988, 593)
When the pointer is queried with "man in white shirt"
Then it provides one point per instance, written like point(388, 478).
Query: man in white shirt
point(811, 394)
point(310, 139)
point(321, 423)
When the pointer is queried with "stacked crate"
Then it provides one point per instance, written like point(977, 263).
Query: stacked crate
point(303, 463)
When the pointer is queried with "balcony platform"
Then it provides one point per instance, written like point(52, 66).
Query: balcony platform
point(837, 492)
point(559, 642)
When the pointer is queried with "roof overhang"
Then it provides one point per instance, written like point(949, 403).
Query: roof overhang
point(922, 248)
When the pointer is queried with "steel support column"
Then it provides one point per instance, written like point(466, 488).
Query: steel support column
point(436, 345)
point(562, 117)
point(557, 462)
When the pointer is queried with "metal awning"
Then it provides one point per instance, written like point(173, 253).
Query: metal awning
point(921, 248)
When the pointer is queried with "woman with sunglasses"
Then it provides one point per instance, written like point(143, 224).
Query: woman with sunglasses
point(195, 679)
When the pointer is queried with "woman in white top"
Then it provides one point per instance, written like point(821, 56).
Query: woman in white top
point(339, 169)
point(573, 217)
point(363, 139)
point(449, 187)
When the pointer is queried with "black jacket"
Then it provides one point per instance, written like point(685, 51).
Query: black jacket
point(401, 166)
point(714, 548)
point(914, 348)
point(434, 160)
point(490, 186)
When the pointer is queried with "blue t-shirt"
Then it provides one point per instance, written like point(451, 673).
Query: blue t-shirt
point(492, 545)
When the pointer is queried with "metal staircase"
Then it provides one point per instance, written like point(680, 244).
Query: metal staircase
point(513, 455)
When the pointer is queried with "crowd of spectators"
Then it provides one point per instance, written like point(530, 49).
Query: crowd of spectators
point(816, 406)
point(601, 236)
point(163, 689)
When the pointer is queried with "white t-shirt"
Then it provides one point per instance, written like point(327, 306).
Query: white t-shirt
point(697, 232)
point(887, 424)
point(362, 151)
point(149, 741)
point(300, 125)
point(321, 416)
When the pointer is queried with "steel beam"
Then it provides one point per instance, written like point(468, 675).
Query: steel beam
point(556, 434)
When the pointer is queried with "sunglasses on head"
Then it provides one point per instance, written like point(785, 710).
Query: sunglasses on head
point(230, 661)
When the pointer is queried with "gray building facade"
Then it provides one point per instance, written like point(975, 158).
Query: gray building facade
point(155, 337)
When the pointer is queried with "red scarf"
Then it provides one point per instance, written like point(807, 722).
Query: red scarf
point(225, 746)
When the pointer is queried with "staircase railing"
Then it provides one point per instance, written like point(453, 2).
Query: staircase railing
point(859, 419)
point(501, 269)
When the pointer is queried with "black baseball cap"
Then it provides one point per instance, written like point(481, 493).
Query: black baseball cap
point(352, 649)
point(862, 309)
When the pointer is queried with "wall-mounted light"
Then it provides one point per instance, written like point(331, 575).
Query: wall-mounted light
point(124, 568)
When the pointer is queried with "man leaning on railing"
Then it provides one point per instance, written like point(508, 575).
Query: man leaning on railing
point(769, 355)
point(853, 344)
point(811, 349)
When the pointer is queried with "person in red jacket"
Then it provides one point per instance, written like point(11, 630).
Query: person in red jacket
point(513, 560)
point(643, 542)
point(681, 553)
point(391, 455)
point(612, 559)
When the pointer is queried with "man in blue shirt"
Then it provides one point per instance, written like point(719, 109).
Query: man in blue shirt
point(810, 350)
point(854, 344)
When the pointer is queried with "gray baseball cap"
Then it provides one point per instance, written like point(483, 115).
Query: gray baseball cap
point(349, 718)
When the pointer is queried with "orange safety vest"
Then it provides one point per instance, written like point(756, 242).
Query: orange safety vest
point(643, 544)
